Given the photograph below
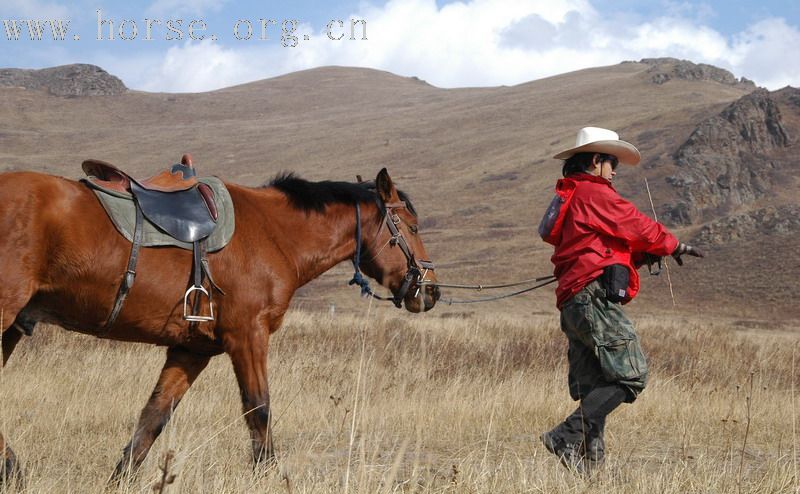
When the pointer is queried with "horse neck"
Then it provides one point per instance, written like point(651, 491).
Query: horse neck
point(322, 240)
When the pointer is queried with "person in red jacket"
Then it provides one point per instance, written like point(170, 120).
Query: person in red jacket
point(601, 241)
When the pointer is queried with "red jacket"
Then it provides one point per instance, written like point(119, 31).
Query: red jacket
point(601, 228)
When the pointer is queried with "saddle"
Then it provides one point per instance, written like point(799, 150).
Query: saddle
point(179, 205)
point(173, 200)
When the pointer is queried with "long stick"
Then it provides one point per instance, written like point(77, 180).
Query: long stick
point(749, 401)
point(3, 473)
point(794, 425)
point(666, 264)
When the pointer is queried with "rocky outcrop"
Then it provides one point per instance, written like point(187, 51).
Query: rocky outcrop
point(730, 159)
point(67, 80)
point(665, 69)
point(750, 226)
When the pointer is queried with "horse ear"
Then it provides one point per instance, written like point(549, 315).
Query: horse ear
point(384, 185)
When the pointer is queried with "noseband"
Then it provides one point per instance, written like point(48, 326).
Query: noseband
point(416, 269)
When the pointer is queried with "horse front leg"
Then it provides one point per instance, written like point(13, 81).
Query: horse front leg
point(249, 358)
point(180, 371)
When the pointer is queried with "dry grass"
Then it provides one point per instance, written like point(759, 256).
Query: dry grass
point(419, 404)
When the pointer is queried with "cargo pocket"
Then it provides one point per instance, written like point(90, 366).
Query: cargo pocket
point(577, 319)
point(622, 360)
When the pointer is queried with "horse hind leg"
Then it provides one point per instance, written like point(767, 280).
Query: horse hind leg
point(9, 466)
point(180, 371)
point(17, 286)
point(22, 326)
point(15, 321)
point(10, 469)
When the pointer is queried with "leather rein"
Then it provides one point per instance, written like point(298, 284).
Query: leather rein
point(416, 269)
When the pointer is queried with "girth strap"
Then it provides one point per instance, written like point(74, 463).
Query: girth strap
point(130, 273)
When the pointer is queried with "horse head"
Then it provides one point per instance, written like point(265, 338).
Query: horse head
point(396, 257)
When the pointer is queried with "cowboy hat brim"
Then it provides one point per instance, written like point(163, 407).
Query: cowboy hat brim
point(626, 153)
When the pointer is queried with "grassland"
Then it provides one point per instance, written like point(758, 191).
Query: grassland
point(384, 403)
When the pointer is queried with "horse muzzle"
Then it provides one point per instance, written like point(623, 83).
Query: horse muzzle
point(421, 297)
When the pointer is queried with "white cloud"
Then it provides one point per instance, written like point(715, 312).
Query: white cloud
point(205, 65)
point(486, 43)
point(34, 9)
point(765, 51)
point(191, 67)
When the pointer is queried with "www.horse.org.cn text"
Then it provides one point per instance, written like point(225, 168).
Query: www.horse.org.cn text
point(289, 32)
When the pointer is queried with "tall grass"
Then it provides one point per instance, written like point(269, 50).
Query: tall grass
point(387, 402)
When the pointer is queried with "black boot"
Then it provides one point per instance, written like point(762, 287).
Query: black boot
point(567, 439)
point(595, 444)
point(600, 402)
point(578, 441)
point(567, 446)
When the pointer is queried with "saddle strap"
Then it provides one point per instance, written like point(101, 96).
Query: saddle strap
point(199, 251)
point(198, 255)
point(200, 270)
point(201, 267)
point(130, 273)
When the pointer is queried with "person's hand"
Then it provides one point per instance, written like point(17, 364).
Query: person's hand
point(641, 258)
point(650, 259)
point(687, 250)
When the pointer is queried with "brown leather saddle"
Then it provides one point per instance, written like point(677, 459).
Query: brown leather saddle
point(176, 203)
point(172, 199)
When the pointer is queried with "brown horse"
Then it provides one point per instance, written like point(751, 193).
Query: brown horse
point(61, 261)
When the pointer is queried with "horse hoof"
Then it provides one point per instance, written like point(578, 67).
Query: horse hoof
point(11, 471)
point(122, 475)
point(265, 464)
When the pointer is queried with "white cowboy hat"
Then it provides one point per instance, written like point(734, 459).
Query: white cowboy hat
point(597, 140)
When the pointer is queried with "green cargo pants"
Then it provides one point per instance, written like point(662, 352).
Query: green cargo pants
point(603, 346)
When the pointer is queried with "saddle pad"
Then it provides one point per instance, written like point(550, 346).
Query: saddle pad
point(122, 212)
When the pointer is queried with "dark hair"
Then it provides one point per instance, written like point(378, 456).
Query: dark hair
point(581, 162)
point(315, 196)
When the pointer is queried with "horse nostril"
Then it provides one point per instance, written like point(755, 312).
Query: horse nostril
point(434, 292)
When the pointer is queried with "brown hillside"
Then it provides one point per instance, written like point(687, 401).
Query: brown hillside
point(476, 161)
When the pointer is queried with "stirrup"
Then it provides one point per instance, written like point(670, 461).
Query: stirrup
point(197, 317)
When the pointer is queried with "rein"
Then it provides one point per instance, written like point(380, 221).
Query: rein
point(418, 269)
point(546, 279)
point(490, 287)
point(415, 267)
point(358, 277)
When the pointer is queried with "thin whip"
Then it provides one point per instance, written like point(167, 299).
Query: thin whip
point(666, 264)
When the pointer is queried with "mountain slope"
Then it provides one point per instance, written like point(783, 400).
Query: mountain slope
point(476, 160)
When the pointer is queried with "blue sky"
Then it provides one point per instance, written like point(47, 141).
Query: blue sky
point(447, 43)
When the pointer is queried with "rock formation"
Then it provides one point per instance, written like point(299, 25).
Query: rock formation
point(730, 159)
point(67, 80)
point(751, 225)
point(665, 69)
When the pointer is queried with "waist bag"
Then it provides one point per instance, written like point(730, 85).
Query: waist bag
point(615, 279)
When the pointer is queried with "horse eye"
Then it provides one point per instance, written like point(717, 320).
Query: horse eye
point(414, 229)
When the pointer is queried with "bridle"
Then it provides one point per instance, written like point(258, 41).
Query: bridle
point(416, 270)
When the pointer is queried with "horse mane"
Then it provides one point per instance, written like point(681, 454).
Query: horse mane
point(316, 196)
